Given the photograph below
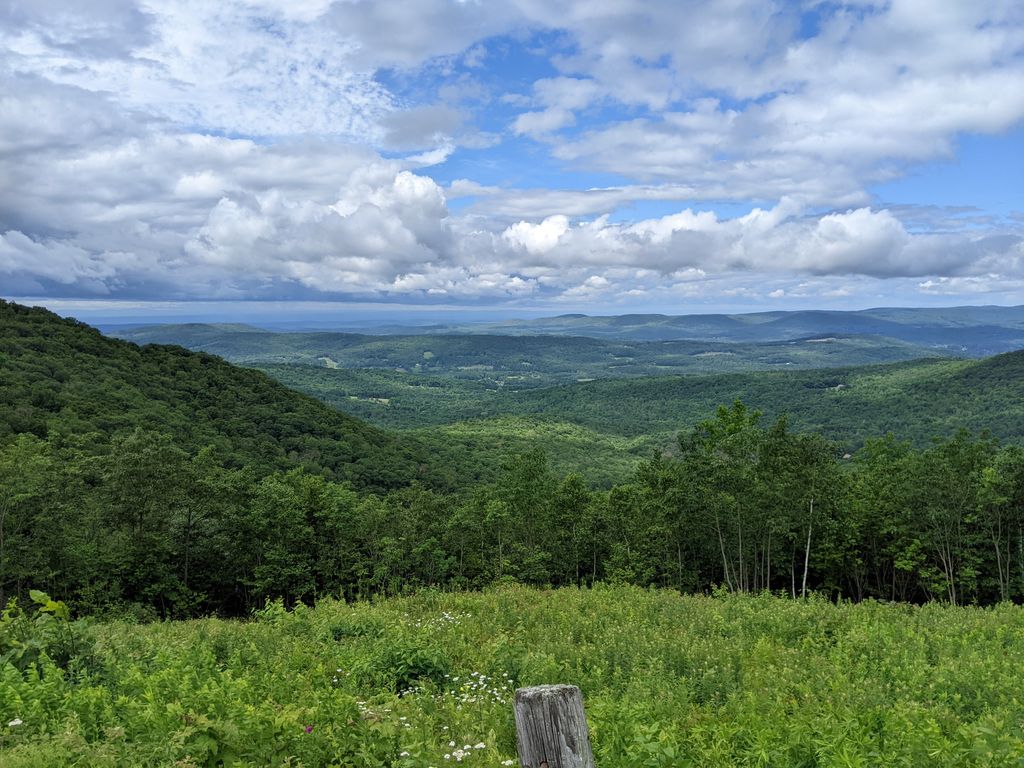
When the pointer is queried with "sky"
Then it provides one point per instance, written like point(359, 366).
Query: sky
point(523, 156)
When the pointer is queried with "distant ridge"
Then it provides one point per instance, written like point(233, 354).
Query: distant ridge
point(975, 331)
point(527, 360)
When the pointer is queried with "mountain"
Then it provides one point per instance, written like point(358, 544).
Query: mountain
point(475, 400)
point(63, 380)
point(962, 331)
point(524, 361)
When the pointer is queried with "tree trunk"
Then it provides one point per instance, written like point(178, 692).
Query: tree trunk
point(807, 552)
point(721, 546)
point(3, 557)
point(188, 545)
point(792, 572)
point(679, 565)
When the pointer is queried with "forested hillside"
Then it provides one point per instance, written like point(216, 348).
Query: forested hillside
point(161, 482)
point(916, 401)
point(619, 389)
point(64, 382)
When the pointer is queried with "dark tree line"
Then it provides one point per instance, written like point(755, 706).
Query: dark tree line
point(152, 529)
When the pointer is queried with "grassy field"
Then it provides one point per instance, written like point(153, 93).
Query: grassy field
point(427, 681)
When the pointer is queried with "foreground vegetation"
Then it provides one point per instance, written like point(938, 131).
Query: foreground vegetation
point(668, 680)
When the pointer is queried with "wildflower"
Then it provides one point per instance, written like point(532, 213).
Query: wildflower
point(309, 729)
point(481, 745)
point(508, 762)
point(14, 723)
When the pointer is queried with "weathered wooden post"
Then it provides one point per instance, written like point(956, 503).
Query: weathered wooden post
point(551, 729)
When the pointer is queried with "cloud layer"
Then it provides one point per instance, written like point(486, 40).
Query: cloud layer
point(304, 150)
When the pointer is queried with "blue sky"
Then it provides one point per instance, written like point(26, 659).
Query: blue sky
point(515, 158)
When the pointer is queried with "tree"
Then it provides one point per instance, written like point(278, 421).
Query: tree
point(570, 517)
point(947, 482)
point(145, 479)
point(720, 458)
point(1001, 514)
point(28, 471)
point(888, 554)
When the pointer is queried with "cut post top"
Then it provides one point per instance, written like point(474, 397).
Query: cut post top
point(551, 728)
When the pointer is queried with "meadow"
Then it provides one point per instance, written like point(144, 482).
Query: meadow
point(427, 680)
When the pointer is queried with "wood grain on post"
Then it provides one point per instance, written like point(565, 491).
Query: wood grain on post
point(551, 729)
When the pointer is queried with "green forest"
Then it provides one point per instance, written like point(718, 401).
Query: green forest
point(915, 401)
point(204, 567)
point(164, 483)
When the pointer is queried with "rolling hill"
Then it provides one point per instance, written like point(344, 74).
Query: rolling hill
point(63, 380)
point(456, 420)
point(915, 400)
point(523, 361)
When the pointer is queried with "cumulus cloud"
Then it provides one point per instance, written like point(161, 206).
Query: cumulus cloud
point(261, 148)
point(878, 86)
point(197, 216)
point(560, 98)
point(537, 238)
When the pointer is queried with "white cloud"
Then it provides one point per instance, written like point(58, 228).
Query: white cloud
point(537, 238)
point(543, 122)
point(561, 97)
point(236, 149)
point(816, 118)
point(231, 66)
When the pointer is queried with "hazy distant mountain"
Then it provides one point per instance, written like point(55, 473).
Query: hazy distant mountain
point(971, 331)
